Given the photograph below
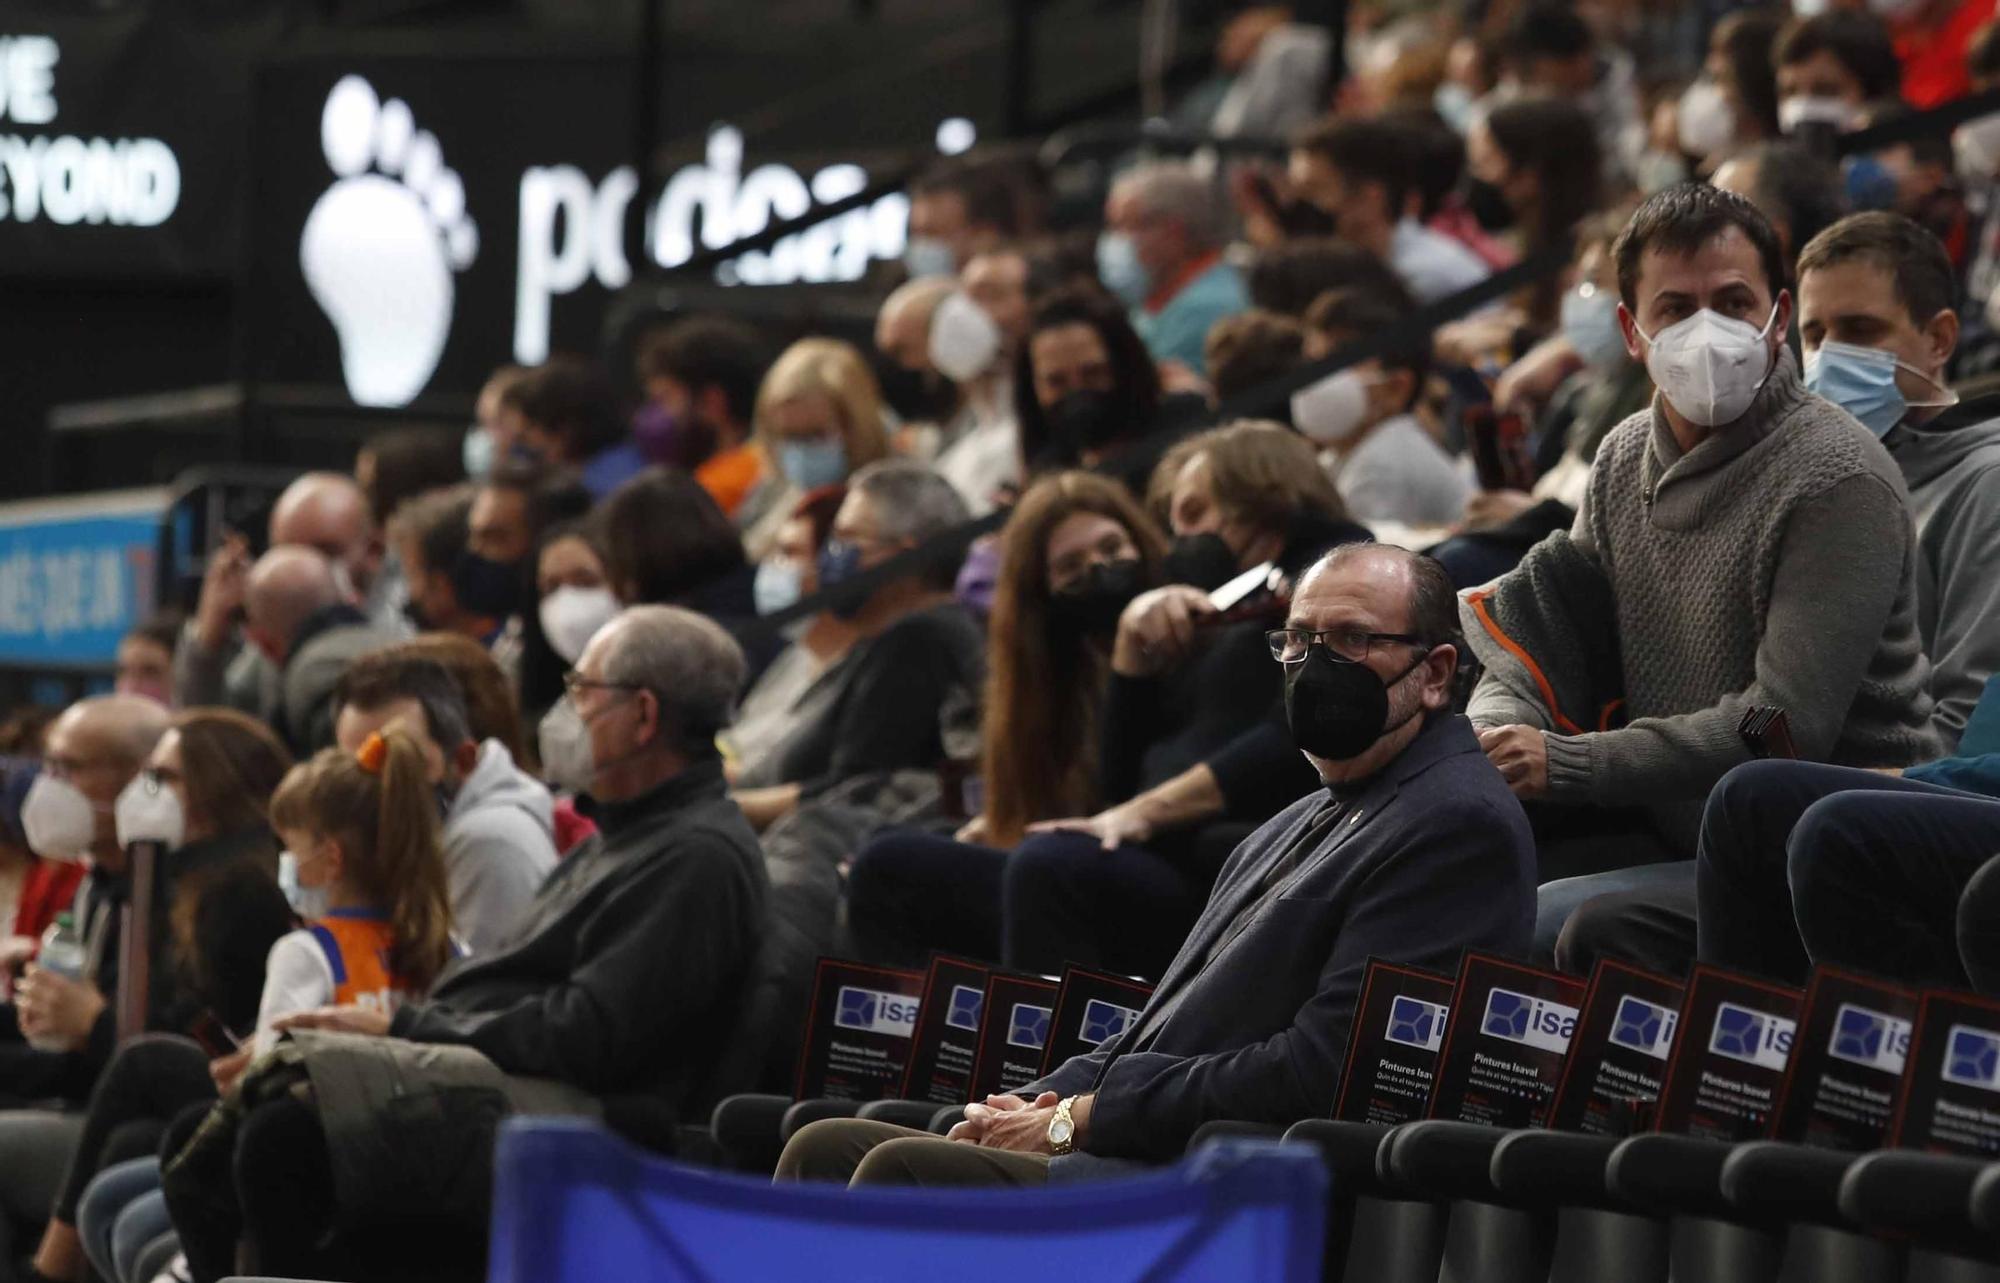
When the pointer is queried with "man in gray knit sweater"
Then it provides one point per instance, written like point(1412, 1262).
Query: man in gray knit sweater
point(1757, 548)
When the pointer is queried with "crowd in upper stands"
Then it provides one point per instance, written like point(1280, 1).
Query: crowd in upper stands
point(532, 771)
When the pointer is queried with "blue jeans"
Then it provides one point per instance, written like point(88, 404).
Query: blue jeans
point(1578, 920)
point(1831, 865)
point(122, 1211)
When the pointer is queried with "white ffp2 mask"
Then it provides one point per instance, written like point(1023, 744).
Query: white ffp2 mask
point(58, 820)
point(1710, 367)
point(571, 616)
point(1332, 410)
point(149, 811)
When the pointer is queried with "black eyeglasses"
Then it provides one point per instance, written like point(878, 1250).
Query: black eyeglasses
point(1289, 645)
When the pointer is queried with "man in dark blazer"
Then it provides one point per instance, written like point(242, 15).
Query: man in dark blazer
point(1415, 850)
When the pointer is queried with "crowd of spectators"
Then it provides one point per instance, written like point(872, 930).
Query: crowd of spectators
point(532, 772)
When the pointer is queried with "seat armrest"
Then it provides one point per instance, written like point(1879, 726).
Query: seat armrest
point(914, 1114)
point(1351, 1152)
point(1555, 1169)
point(1443, 1159)
point(1220, 1128)
point(748, 1129)
point(807, 1112)
point(1928, 1196)
point(1670, 1175)
point(1768, 1180)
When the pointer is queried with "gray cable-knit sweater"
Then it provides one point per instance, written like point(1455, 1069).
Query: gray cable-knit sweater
point(1773, 564)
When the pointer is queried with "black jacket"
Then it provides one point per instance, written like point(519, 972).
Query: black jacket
point(624, 974)
point(239, 913)
point(1224, 707)
point(1434, 857)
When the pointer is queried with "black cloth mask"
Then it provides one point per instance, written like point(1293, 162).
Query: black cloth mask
point(1093, 606)
point(487, 588)
point(1337, 711)
point(1488, 205)
point(1084, 420)
point(1201, 561)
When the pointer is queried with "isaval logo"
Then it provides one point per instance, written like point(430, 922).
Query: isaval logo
point(1028, 1026)
point(1972, 1057)
point(966, 1004)
point(1526, 1019)
point(875, 1012)
point(1753, 1037)
point(1644, 1026)
point(1416, 1023)
point(1103, 1021)
point(1870, 1038)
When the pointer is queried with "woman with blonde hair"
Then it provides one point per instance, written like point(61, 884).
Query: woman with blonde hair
point(818, 419)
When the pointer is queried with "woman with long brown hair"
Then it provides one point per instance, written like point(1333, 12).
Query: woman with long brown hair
point(1075, 551)
point(209, 779)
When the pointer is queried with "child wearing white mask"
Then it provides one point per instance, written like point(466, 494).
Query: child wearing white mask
point(1386, 465)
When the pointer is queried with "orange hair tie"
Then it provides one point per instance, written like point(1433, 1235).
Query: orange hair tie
point(374, 751)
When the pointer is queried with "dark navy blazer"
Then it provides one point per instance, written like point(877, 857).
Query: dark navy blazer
point(1432, 857)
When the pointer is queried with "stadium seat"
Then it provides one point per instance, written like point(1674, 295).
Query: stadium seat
point(917, 1114)
point(1486, 1241)
point(1929, 1199)
point(574, 1204)
point(1800, 1186)
point(1379, 1232)
point(1597, 1235)
point(1680, 1177)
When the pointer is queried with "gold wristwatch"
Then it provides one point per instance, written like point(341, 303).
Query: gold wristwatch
point(1062, 1129)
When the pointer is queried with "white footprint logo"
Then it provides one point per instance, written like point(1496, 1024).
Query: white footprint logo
point(380, 248)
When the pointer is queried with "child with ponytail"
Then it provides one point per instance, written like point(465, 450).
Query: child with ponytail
point(362, 831)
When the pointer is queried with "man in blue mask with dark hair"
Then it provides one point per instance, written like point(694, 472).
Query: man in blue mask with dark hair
point(1875, 315)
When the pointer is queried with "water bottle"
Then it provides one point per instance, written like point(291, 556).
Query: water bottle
point(62, 953)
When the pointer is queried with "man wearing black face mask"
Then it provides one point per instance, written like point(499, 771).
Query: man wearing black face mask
point(1414, 850)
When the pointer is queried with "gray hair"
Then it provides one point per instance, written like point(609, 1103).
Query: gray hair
point(911, 500)
point(694, 668)
point(1169, 189)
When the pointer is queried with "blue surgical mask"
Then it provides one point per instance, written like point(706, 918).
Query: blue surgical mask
point(1119, 268)
point(1862, 381)
point(928, 256)
point(839, 562)
point(478, 453)
point(812, 464)
point(776, 587)
point(1454, 102)
point(1590, 323)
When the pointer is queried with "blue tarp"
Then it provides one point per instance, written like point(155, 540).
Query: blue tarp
point(573, 1204)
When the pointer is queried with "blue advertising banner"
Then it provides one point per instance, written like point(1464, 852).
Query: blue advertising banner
point(75, 576)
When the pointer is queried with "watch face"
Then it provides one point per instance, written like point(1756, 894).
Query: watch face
point(1059, 1131)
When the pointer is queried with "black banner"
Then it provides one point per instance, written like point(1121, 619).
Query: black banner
point(1392, 1051)
point(1951, 1087)
point(1091, 1009)
point(1730, 1051)
point(119, 144)
point(858, 1031)
point(947, 1041)
point(1847, 1070)
point(1014, 1032)
point(1509, 1029)
point(1618, 1058)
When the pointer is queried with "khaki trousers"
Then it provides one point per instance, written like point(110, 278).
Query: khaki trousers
point(857, 1151)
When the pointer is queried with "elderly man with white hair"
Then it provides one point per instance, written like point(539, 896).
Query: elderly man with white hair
point(1161, 253)
point(617, 994)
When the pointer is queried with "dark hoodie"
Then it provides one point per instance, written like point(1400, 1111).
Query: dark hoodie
point(1952, 466)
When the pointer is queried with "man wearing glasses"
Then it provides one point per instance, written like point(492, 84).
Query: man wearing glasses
point(1414, 851)
point(620, 992)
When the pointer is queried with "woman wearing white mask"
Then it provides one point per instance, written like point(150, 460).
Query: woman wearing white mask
point(1735, 101)
point(201, 797)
